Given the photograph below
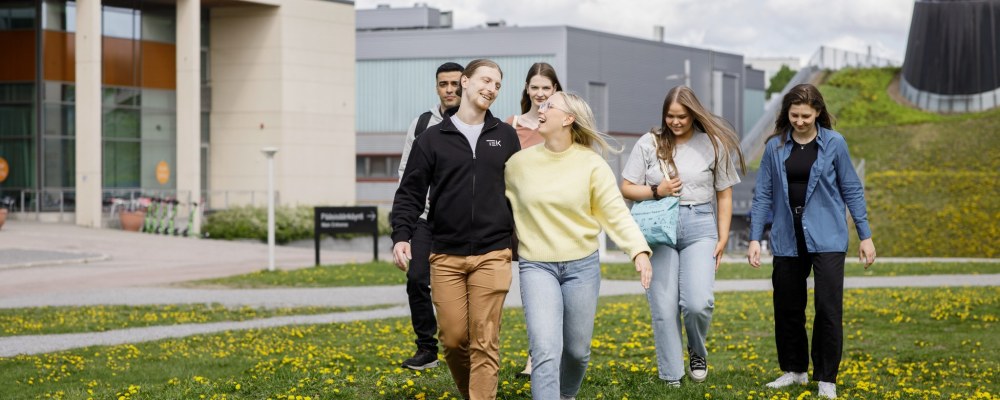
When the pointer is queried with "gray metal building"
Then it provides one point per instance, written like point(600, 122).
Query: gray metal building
point(623, 78)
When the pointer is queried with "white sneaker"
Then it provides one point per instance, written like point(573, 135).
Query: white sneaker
point(788, 379)
point(828, 390)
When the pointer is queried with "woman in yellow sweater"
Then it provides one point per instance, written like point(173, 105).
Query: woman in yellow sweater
point(562, 194)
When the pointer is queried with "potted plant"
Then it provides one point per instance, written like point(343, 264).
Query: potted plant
point(5, 205)
point(131, 215)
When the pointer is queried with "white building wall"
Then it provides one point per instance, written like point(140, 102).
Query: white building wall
point(284, 77)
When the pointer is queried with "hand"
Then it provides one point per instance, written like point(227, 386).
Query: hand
point(670, 187)
point(719, 250)
point(753, 254)
point(866, 252)
point(644, 268)
point(401, 255)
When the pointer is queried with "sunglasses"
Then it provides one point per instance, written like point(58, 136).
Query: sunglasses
point(548, 104)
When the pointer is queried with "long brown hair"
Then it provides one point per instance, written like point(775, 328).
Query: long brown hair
point(543, 69)
point(801, 94)
point(717, 129)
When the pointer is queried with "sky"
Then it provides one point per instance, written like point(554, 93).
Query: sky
point(753, 28)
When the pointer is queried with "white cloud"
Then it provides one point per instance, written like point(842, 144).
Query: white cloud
point(750, 27)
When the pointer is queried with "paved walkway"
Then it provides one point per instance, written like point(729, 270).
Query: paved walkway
point(64, 265)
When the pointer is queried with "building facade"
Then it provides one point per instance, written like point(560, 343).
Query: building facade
point(624, 79)
point(175, 98)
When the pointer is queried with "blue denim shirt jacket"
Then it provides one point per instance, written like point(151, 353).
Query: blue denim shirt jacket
point(832, 184)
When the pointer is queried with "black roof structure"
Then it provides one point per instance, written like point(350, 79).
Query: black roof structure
point(954, 47)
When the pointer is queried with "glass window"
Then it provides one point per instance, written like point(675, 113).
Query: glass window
point(17, 15)
point(20, 156)
point(121, 164)
point(159, 25)
point(59, 157)
point(121, 123)
point(58, 91)
point(121, 22)
point(152, 154)
point(17, 93)
point(378, 167)
point(361, 168)
point(162, 99)
point(158, 125)
point(394, 166)
point(60, 120)
point(17, 120)
point(116, 96)
point(205, 131)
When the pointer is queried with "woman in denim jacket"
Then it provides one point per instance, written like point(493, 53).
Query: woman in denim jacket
point(805, 180)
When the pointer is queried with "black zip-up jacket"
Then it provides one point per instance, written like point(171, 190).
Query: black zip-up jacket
point(469, 212)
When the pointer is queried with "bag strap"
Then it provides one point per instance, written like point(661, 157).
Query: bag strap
point(422, 122)
point(663, 163)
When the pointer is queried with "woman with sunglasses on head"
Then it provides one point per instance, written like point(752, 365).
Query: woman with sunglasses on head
point(701, 151)
point(805, 181)
point(540, 83)
point(563, 193)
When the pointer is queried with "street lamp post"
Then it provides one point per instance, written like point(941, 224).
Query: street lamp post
point(686, 75)
point(269, 153)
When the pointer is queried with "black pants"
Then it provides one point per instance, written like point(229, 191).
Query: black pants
point(790, 299)
point(418, 287)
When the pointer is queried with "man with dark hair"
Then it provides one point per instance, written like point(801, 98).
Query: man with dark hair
point(461, 163)
point(418, 273)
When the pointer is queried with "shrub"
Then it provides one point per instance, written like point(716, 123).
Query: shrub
point(290, 223)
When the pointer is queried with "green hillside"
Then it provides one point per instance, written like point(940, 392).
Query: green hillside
point(931, 180)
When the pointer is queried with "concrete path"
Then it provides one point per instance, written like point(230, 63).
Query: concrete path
point(64, 265)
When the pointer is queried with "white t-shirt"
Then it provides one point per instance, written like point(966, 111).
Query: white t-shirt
point(471, 132)
point(696, 163)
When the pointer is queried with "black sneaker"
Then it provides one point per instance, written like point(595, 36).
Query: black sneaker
point(422, 360)
point(699, 367)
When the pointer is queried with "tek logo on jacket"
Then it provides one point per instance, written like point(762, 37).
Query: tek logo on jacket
point(493, 142)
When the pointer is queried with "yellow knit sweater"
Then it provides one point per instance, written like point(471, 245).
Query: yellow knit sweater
point(562, 200)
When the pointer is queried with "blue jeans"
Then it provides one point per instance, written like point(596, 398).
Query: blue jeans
point(560, 301)
point(682, 286)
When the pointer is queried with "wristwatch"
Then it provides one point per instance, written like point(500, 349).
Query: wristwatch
point(656, 195)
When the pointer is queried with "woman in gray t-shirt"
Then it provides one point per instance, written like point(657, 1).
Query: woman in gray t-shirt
point(701, 151)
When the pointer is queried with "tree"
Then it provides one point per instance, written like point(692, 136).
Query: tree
point(779, 80)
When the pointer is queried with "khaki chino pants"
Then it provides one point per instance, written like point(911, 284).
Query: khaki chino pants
point(468, 293)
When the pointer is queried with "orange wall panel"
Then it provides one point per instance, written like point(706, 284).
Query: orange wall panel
point(159, 65)
point(118, 62)
point(60, 56)
point(18, 50)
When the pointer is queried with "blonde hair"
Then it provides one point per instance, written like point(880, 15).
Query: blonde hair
point(714, 126)
point(584, 130)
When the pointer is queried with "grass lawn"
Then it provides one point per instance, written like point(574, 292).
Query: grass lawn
point(744, 271)
point(368, 274)
point(384, 273)
point(899, 343)
point(50, 320)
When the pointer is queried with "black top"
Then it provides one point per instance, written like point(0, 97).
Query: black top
point(469, 211)
point(797, 167)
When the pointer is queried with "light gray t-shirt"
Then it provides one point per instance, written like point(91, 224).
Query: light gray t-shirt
point(696, 163)
point(471, 132)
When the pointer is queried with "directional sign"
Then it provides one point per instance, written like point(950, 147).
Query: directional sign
point(336, 220)
point(333, 220)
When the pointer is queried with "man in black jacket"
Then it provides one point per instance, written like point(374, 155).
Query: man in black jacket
point(418, 274)
point(461, 161)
